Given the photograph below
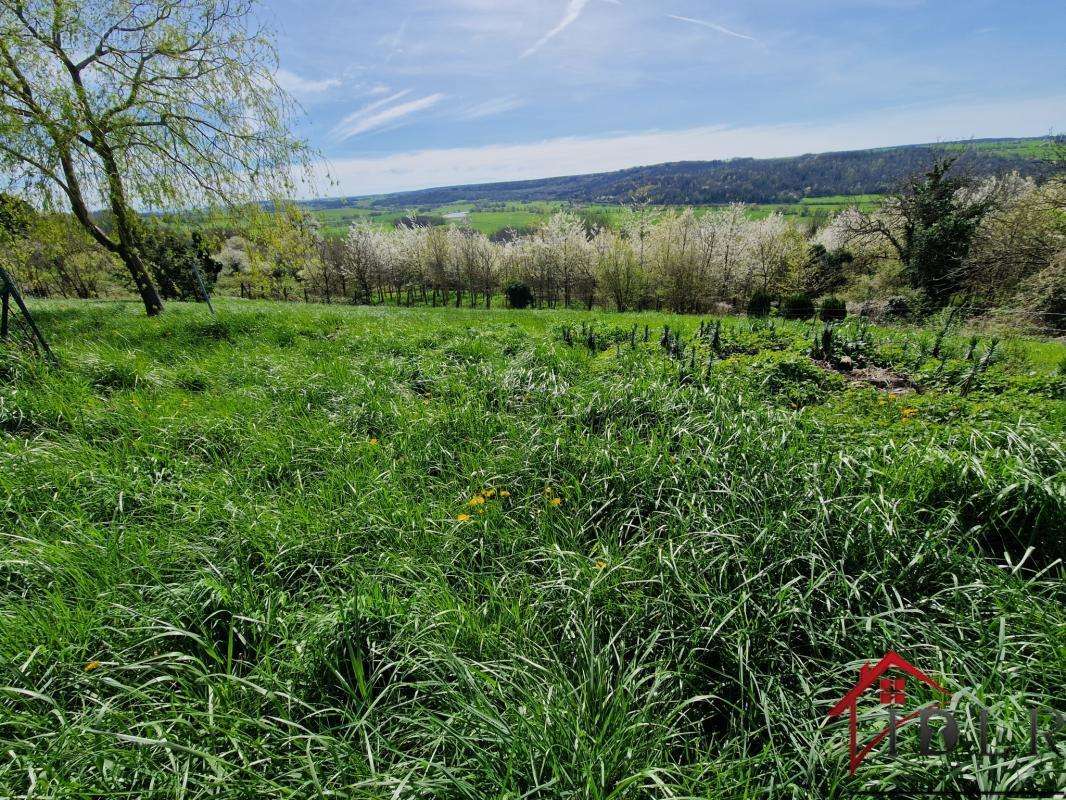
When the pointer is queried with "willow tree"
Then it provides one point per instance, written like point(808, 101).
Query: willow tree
point(125, 105)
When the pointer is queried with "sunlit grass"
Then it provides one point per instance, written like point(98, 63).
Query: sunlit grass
point(308, 550)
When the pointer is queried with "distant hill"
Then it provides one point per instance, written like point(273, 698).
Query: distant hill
point(774, 180)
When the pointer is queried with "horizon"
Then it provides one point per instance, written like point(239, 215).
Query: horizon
point(1050, 138)
point(463, 92)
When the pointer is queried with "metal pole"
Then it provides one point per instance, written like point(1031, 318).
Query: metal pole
point(6, 311)
point(203, 288)
point(14, 292)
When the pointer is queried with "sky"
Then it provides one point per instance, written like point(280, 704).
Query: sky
point(411, 94)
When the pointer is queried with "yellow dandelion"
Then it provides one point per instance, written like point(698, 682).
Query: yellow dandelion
point(601, 564)
point(476, 500)
point(556, 501)
point(374, 442)
point(463, 517)
point(489, 493)
point(505, 493)
point(92, 665)
point(907, 413)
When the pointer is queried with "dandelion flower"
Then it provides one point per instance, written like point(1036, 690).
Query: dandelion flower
point(907, 413)
point(489, 493)
point(601, 564)
point(505, 493)
point(476, 500)
point(463, 517)
point(374, 442)
point(556, 501)
point(92, 665)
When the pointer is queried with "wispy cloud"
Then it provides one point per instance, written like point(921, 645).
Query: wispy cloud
point(291, 82)
point(573, 11)
point(381, 113)
point(492, 108)
point(713, 26)
point(394, 43)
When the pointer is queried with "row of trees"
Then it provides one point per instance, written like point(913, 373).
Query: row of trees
point(996, 241)
point(942, 236)
point(680, 260)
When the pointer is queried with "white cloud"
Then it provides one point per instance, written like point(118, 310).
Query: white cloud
point(568, 156)
point(380, 113)
point(573, 11)
point(713, 26)
point(291, 82)
point(491, 108)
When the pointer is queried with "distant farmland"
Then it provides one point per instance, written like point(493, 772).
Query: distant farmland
point(518, 216)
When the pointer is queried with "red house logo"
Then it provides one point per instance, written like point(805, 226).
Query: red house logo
point(893, 692)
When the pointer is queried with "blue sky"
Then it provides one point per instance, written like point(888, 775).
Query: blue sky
point(415, 93)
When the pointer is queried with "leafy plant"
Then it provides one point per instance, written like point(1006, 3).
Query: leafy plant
point(833, 309)
point(759, 304)
point(519, 295)
point(797, 306)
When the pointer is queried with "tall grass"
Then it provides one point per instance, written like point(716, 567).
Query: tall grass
point(309, 551)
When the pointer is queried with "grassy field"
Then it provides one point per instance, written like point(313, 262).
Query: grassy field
point(299, 551)
point(335, 221)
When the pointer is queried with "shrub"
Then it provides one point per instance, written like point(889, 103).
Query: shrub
point(833, 309)
point(519, 295)
point(797, 306)
point(172, 254)
point(897, 308)
point(1043, 296)
point(759, 305)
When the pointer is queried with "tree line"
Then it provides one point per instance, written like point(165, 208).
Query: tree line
point(943, 236)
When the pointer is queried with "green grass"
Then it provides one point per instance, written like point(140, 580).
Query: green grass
point(1009, 148)
point(234, 564)
point(335, 221)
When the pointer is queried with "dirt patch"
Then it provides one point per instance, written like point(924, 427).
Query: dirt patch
point(878, 377)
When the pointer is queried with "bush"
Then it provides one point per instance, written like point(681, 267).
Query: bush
point(519, 295)
point(897, 308)
point(797, 306)
point(833, 309)
point(759, 305)
point(1043, 296)
point(172, 254)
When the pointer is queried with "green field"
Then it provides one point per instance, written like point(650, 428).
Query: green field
point(1020, 148)
point(518, 216)
point(303, 551)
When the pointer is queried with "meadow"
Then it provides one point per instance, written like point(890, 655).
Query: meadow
point(493, 218)
point(312, 550)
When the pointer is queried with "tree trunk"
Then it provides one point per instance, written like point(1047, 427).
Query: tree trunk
point(153, 303)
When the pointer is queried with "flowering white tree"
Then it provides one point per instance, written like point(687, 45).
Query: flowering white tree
point(364, 261)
